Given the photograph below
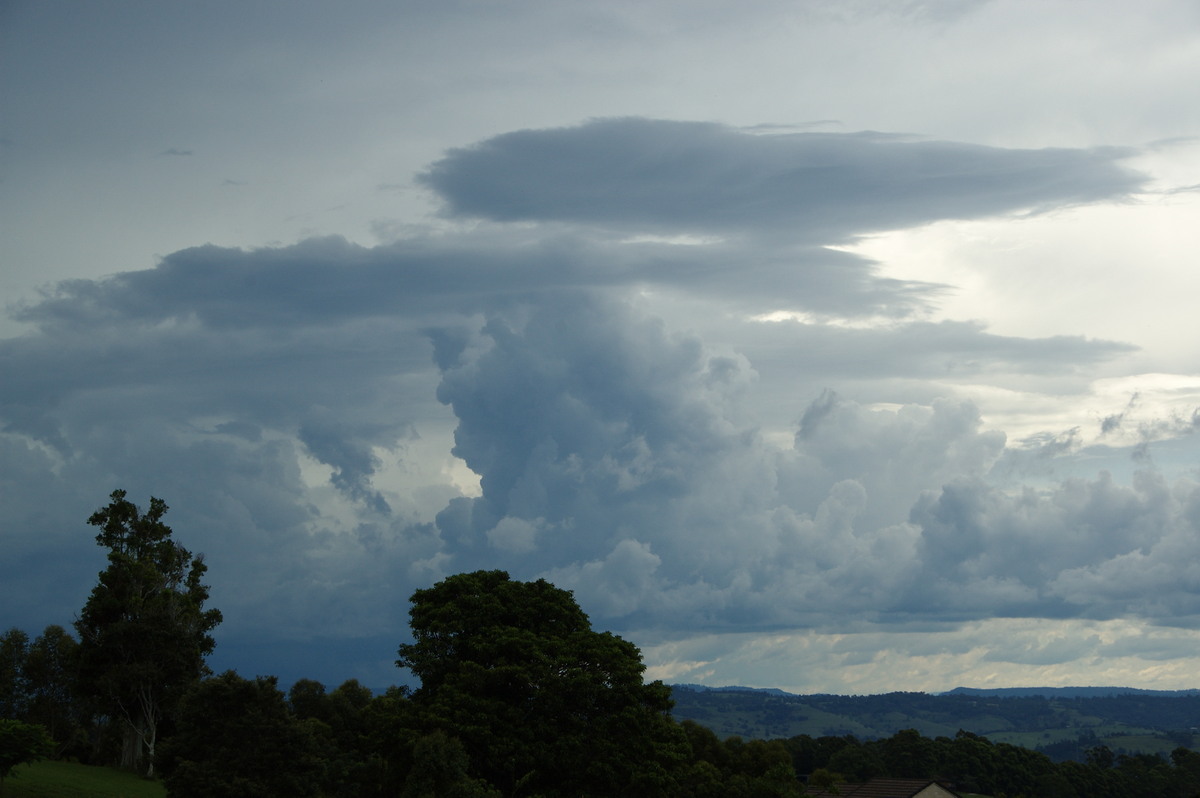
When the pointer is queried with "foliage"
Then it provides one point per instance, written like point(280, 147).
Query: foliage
point(388, 737)
point(20, 744)
point(439, 770)
point(144, 631)
point(975, 764)
point(340, 720)
point(539, 701)
point(519, 696)
point(237, 738)
point(37, 683)
point(50, 668)
point(14, 649)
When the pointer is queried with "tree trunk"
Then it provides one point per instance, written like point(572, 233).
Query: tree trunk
point(131, 747)
point(148, 724)
point(150, 740)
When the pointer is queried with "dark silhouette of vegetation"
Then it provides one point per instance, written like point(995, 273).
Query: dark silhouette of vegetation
point(239, 737)
point(14, 649)
point(518, 696)
point(144, 632)
point(49, 672)
point(975, 764)
point(538, 699)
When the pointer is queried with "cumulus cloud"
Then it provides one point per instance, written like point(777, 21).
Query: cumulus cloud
point(999, 652)
point(616, 585)
point(277, 398)
point(885, 512)
point(513, 534)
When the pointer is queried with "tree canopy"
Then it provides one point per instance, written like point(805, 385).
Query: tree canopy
point(537, 698)
point(14, 649)
point(144, 632)
point(238, 737)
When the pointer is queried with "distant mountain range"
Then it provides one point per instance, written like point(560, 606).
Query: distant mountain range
point(1062, 721)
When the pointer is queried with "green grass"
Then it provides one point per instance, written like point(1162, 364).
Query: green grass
point(1141, 744)
point(50, 779)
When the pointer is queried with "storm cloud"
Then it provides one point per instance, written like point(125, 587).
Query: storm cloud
point(580, 377)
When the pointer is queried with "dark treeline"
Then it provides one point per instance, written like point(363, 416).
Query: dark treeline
point(518, 696)
point(232, 736)
point(975, 764)
point(236, 736)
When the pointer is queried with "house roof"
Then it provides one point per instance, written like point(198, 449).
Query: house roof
point(885, 788)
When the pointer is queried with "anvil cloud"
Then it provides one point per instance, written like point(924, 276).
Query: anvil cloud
point(744, 388)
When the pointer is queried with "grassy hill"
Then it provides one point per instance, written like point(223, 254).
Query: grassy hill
point(1061, 724)
point(70, 780)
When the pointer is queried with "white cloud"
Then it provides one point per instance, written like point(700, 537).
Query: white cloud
point(514, 535)
point(990, 653)
point(567, 377)
point(618, 584)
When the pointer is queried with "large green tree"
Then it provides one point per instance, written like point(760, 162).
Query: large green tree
point(144, 632)
point(237, 738)
point(542, 704)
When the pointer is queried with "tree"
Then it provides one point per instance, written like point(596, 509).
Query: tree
point(20, 744)
point(858, 763)
point(440, 771)
point(1187, 770)
point(540, 702)
point(50, 680)
point(760, 769)
point(907, 754)
point(144, 632)
point(237, 738)
point(14, 648)
point(389, 738)
point(1100, 756)
point(826, 780)
point(341, 719)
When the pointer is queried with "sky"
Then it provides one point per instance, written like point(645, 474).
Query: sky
point(841, 347)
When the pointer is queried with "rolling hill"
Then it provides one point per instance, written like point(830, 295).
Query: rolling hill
point(1063, 722)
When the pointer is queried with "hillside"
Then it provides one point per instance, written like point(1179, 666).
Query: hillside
point(1060, 722)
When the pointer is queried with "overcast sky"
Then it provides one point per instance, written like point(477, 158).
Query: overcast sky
point(839, 346)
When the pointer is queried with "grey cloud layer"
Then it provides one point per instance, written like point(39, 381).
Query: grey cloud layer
point(272, 396)
point(657, 175)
